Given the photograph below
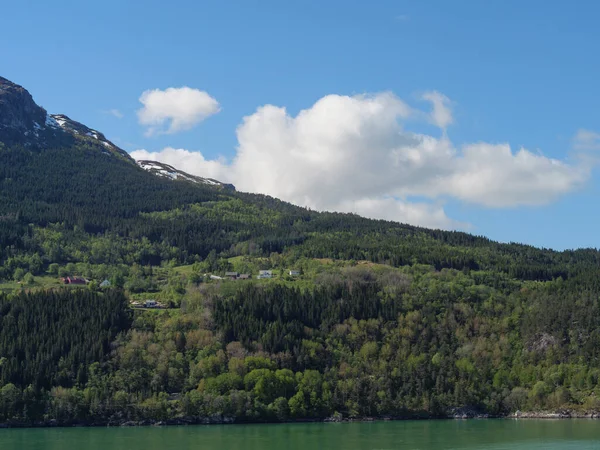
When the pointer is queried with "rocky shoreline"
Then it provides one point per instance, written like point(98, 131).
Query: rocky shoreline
point(227, 420)
point(563, 414)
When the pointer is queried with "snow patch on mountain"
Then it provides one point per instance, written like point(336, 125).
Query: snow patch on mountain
point(76, 128)
point(166, 171)
point(51, 122)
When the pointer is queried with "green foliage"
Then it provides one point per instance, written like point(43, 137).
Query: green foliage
point(384, 318)
point(357, 342)
point(49, 338)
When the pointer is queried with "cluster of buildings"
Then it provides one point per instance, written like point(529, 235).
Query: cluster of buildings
point(262, 275)
point(82, 281)
point(237, 276)
point(153, 304)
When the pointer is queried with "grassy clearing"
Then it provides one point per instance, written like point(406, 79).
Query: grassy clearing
point(39, 282)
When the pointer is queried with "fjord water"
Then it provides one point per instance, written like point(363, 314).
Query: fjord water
point(413, 435)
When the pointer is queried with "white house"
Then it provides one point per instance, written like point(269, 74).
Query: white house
point(262, 274)
point(294, 273)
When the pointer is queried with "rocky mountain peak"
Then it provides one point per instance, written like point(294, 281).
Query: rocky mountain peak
point(24, 122)
point(18, 111)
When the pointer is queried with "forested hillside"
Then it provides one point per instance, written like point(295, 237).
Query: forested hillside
point(84, 195)
point(376, 319)
point(343, 340)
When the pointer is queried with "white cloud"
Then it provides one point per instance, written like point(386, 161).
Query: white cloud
point(395, 209)
point(115, 112)
point(586, 140)
point(441, 115)
point(175, 109)
point(353, 154)
point(585, 147)
point(495, 176)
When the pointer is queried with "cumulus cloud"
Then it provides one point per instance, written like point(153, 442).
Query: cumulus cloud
point(352, 154)
point(175, 109)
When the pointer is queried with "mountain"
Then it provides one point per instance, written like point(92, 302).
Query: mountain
point(166, 171)
point(80, 131)
point(23, 122)
point(354, 317)
point(56, 170)
point(18, 111)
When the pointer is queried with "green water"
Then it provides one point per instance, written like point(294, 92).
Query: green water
point(422, 435)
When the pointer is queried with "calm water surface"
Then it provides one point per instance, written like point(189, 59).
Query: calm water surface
point(422, 435)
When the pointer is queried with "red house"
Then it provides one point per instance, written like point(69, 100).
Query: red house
point(74, 280)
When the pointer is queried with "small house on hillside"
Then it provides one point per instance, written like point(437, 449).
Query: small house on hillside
point(74, 280)
point(294, 273)
point(262, 274)
point(232, 275)
point(105, 284)
point(215, 277)
point(244, 276)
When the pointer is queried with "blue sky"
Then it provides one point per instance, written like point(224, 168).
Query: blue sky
point(517, 73)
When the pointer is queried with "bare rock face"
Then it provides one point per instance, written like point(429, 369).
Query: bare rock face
point(17, 108)
point(541, 342)
point(27, 124)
